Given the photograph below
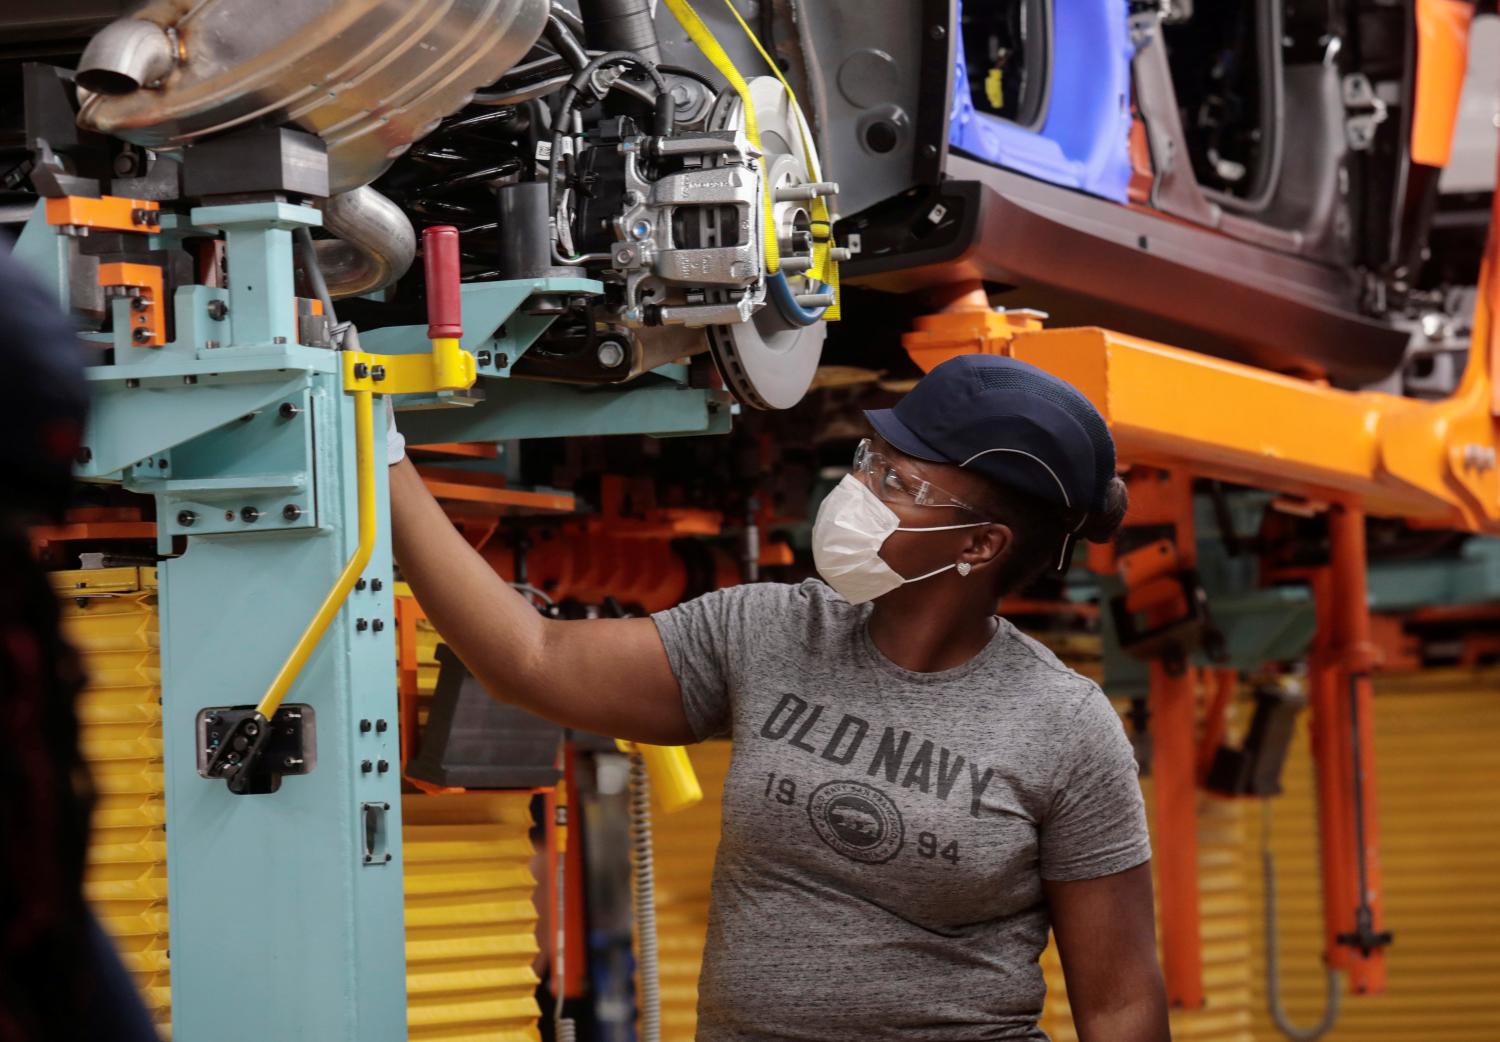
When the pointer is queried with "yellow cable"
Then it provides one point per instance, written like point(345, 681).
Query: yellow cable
point(364, 463)
point(703, 37)
point(824, 268)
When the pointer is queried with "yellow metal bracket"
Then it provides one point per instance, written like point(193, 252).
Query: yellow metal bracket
point(447, 368)
point(672, 775)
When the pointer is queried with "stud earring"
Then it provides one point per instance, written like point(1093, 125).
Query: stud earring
point(964, 567)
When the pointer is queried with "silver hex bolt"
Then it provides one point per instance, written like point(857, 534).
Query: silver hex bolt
point(610, 354)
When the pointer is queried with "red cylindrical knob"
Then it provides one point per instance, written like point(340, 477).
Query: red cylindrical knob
point(440, 261)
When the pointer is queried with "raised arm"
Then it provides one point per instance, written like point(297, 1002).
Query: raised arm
point(610, 676)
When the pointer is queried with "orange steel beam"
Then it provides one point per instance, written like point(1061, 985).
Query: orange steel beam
point(1349, 701)
point(108, 213)
point(1215, 719)
point(1335, 847)
point(1429, 462)
point(1168, 407)
point(565, 841)
point(1174, 756)
point(1151, 588)
point(1442, 59)
point(472, 449)
point(459, 487)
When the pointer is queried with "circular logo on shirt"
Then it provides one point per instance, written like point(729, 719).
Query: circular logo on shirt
point(857, 820)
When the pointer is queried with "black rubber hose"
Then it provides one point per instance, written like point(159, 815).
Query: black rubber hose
point(570, 95)
point(621, 25)
point(565, 43)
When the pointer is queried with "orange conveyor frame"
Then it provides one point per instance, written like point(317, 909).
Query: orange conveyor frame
point(1433, 463)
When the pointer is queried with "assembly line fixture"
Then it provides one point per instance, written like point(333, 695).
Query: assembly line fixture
point(260, 451)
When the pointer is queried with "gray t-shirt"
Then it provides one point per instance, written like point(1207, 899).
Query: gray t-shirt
point(886, 833)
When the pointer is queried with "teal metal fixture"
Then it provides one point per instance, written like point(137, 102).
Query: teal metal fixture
point(246, 440)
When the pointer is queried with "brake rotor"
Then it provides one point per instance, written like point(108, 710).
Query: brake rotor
point(769, 361)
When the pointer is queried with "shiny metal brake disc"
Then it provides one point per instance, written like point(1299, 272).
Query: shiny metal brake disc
point(769, 361)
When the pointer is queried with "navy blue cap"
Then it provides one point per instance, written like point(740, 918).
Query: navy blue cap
point(1016, 424)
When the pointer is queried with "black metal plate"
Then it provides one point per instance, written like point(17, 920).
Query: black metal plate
point(291, 749)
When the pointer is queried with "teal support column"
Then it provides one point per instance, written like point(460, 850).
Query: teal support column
point(258, 245)
point(280, 926)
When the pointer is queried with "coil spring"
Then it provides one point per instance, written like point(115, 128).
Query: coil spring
point(644, 872)
point(449, 177)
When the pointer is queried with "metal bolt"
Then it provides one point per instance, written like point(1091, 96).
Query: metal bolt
point(484, 358)
point(365, 767)
point(140, 334)
point(378, 624)
point(161, 464)
point(278, 340)
point(252, 729)
point(361, 370)
point(359, 584)
point(377, 372)
point(937, 32)
point(218, 310)
point(288, 410)
point(229, 515)
point(380, 726)
point(249, 515)
point(382, 766)
point(137, 303)
point(361, 624)
point(186, 518)
point(291, 761)
point(291, 512)
point(189, 380)
point(131, 383)
point(624, 256)
point(84, 454)
point(364, 727)
point(502, 361)
point(641, 229)
point(610, 354)
point(376, 585)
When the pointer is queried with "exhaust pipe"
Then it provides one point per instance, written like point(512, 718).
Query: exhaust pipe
point(367, 76)
point(374, 243)
point(125, 56)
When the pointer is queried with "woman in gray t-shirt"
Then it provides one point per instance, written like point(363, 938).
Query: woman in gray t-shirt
point(918, 792)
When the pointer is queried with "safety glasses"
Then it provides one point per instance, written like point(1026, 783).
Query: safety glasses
point(892, 484)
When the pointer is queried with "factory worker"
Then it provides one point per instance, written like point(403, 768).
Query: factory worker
point(918, 791)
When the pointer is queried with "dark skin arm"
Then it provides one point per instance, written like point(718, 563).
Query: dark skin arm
point(610, 676)
point(1106, 935)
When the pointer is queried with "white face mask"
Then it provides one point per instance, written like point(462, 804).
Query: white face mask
point(851, 527)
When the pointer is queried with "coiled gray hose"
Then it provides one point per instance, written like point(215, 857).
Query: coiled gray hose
point(648, 1000)
point(1333, 991)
